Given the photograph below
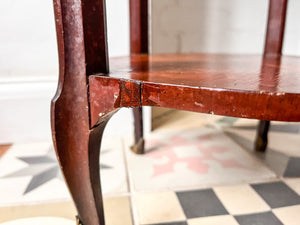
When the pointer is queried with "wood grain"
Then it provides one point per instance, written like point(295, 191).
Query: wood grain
point(265, 87)
point(230, 85)
point(77, 146)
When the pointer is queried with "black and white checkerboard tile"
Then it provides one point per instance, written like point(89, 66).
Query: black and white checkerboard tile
point(269, 203)
point(271, 197)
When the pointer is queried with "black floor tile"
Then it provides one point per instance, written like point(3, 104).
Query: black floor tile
point(201, 203)
point(275, 160)
point(266, 218)
point(293, 168)
point(277, 194)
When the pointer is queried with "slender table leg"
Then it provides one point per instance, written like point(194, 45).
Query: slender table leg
point(139, 144)
point(261, 141)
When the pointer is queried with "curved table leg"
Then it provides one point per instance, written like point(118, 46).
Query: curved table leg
point(78, 149)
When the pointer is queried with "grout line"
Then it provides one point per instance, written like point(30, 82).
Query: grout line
point(126, 166)
point(284, 180)
point(133, 209)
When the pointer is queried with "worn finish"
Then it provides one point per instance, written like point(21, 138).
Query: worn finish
point(77, 146)
point(247, 73)
point(264, 105)
point(231, 85)
point(263, 87)
point(269, 81)
point(118, 93)
point(138, 45)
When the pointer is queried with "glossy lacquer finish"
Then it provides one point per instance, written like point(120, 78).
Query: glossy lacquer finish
point(77, 146)
point(248, 86)
point(263, 87)
point(273, 46)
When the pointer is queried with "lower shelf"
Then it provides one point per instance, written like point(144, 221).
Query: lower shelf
point(247, 86)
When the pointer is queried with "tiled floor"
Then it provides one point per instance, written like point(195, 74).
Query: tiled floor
point(193, 158)
point(204, 176)
point(247, 204)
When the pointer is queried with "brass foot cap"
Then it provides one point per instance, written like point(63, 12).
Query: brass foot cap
point(261, 145)
point(139, 147)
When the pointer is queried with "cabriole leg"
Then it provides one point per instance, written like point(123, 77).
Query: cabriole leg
point(78, 149)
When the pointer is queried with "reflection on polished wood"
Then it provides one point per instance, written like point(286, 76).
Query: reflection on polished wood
point(253, 73)
point(90, 90)
point(248, 86)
